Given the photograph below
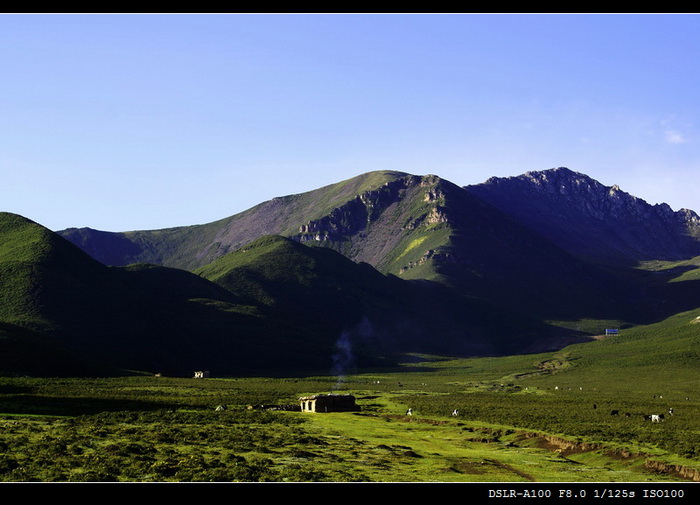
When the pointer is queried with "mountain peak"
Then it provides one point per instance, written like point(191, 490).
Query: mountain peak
point(558, 179)
point(591, 219)
point(369, 215)
point(574, 188)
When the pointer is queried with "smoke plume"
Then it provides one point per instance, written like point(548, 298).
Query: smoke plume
point(344, 358)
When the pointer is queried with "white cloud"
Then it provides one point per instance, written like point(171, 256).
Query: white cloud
point(673, 134)
point(674, 137)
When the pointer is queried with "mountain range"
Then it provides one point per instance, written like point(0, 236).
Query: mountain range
point(351, 274)
point(600, 223)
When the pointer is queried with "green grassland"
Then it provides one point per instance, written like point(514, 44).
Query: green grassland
point(527, 418)
point(165, 430)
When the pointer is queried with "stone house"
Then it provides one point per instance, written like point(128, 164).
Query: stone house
point(328, 403)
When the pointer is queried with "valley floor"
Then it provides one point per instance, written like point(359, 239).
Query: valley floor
point(146, 429)
point(409, 449)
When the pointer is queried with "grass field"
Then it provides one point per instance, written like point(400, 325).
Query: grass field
point(529, 418)
point(520, 420)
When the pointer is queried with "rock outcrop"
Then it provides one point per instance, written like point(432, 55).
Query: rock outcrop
point(591, 220)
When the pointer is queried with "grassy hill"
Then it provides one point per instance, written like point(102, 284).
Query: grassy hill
point(142, 317)
point(51, 286)
point(274, 305)
point(414, 227)
point(320, 288)
point(648, 358)
point(60, 294)
point(416, 262)
point(190, 247)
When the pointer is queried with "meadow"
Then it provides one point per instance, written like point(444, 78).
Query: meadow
point(520, 419)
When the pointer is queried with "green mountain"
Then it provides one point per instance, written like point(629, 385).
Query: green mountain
point(350, 274)
point(140, 317)
point(48, 283)
point(319, 288)
point(414, 227)
point(51, 288)
point(275, 304)
point(190, 247)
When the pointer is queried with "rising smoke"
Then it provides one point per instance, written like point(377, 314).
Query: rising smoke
point(344, 360)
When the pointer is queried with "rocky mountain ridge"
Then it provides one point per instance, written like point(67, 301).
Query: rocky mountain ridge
point(496, 268)
point(591, 220)
point(371, 217)
point(518, 242)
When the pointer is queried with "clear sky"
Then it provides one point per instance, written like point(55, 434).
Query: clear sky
point(126, 122)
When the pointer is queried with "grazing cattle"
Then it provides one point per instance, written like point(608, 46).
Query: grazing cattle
point(455, 412)
point(615, 413)
point(654, 418)
point(595, 406)
point(627, 414)
point(670, 411)
point(409, 412)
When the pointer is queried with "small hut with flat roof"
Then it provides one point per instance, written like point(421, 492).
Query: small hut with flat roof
point(328, 403)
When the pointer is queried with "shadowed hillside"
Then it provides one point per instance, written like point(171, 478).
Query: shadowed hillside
point(415, 227)
point(273, 305)
point(189, 247)
point(400, 263)
point(142, 317)
point(594, 221)
point(320, 288)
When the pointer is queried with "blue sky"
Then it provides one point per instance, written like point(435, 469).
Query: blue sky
point(124, 122)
